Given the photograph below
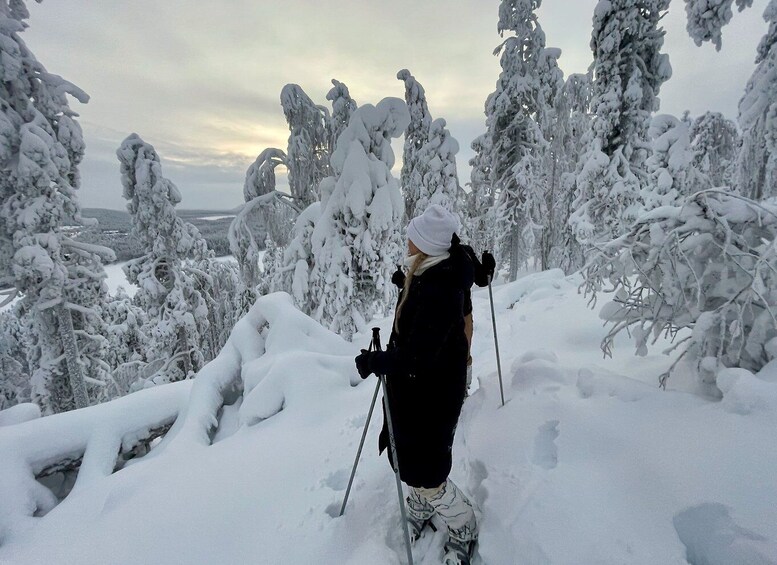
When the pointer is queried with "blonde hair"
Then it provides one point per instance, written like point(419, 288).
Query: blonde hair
point(420, 257)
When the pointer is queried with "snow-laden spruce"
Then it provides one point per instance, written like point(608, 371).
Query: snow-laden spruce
point(416, 135)
point(342, 108)
point(672, 176)
point(356, 242)
point(168, 289)
point(437, 165)
point(706, 18)
point(629, 70)
point(573, 122)
point(758, 119)
point(308, 150)
point(60, 280)
point(715, 143)
point(515, 141)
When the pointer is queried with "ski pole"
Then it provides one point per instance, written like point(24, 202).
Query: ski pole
point(361, 445)
point(393, 447)
point(496, 340)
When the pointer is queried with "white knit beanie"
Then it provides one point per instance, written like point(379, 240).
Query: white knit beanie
point(431, 232)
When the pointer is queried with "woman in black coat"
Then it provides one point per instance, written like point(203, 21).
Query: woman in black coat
point(426, 368)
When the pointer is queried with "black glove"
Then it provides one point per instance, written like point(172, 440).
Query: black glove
point(398, 278)
point(363, 363)
point(489, 264)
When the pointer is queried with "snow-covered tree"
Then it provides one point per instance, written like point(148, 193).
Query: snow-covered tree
point(437, 165)
point(708, 266)
point(356, 242)
point(177, 309)
point(757, 170)
point(672, 174)
point(14, 371)
point(126, 323)
point(308, 151)
point(416, 135)
point(295, 263)
point(61, 281)
point(573, 119)
point(706, 18)
point(514, 137)
point(715, 143)
point(343, 106)
point(629, 70)
point(266, 209)
point(480, 200)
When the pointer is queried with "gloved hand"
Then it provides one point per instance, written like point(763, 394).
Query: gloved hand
point(398, 278)
point(363, 363)
point(489, 264)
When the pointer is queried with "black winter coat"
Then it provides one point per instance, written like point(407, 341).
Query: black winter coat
point(426, 369)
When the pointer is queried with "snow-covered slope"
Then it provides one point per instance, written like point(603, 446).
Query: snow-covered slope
point(588, 462)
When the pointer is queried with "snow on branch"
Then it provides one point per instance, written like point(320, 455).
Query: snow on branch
point(704, 271)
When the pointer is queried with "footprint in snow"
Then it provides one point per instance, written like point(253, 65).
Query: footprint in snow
point(338, 480)
point(545, 450)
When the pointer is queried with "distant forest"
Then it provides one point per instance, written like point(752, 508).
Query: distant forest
point(114, 230)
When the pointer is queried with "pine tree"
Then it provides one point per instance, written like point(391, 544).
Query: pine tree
point(706, 18)
point(628, 72)
point(177, 309)
point(61, 281)
point(480, 200)
point(672, 175)
point(437, 165)
point(573, 125)
point(515, 138)
point(715, 143)
point(343, 106)
point(309, 144)
point(757, 169)
point(416, 135)
point(265, 209)
point(356, 243)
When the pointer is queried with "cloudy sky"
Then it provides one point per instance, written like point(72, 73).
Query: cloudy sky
point(200, 80)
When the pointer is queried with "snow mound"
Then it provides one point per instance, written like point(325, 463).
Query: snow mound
point(744, 393)
point(596, 383)
point(18, 414)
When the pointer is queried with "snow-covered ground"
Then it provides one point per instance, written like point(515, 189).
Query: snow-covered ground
point(587, 463)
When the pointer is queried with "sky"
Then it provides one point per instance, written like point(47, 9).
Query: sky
point(201, 80)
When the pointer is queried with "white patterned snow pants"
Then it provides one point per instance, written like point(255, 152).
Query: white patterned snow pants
point(450, 504)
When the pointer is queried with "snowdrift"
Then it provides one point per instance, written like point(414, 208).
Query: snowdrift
point(588, 462)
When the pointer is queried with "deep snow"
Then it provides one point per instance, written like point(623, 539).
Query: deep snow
point(588, 462)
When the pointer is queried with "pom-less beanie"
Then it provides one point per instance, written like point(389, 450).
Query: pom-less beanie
point(431, 232)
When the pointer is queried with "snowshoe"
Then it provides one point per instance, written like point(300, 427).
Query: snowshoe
point(458, 552)
point(417, 527)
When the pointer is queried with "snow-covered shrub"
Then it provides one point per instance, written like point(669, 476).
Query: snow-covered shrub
point(707, 266)
point(14, 372)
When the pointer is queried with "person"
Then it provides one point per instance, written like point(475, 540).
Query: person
point(425, 365)
point(484, 273)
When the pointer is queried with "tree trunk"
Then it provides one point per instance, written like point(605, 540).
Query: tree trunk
point(515, 252)
point(70, 347)
point(183, 346)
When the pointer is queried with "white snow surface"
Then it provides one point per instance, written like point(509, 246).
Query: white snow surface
point(587, 463)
